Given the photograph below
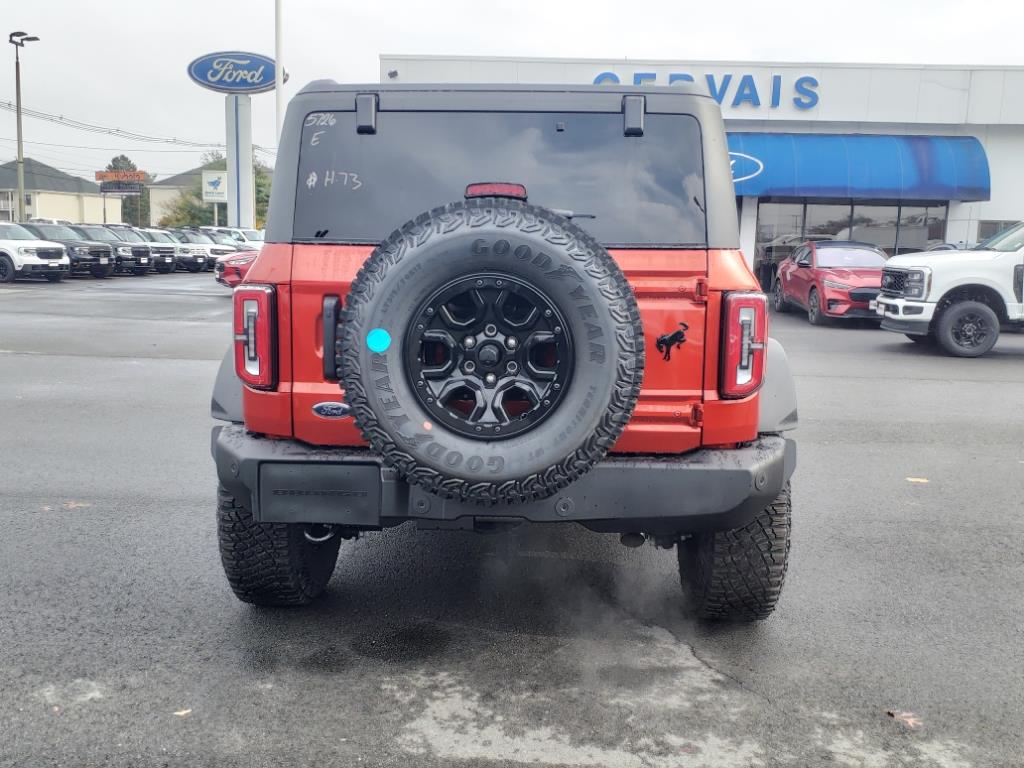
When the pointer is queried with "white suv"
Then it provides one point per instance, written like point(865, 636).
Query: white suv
point(22, 254)
point(959, 299)
point(246, 238)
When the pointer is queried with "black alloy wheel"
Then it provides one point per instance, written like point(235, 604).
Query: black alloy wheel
point(489, 355)
point(970, 330)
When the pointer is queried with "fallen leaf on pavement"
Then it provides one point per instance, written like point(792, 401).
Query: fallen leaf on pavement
point(917, 479)
point(908, 719)
point(183, 713)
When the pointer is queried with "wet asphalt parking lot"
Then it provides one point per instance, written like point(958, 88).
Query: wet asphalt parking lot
point(120, 643)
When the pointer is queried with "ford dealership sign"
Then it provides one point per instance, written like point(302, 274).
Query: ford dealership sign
point(233, 72)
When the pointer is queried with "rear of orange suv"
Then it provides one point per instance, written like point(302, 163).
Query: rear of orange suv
point(483, 306)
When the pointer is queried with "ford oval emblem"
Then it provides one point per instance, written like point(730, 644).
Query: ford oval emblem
point(330, 410)
point(233, 72)
point(744, 166)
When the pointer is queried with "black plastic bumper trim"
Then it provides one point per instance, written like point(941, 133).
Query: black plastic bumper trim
point(913, 327)
point(706, 489)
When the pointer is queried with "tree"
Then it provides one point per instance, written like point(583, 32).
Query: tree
point(188, 209)
point(134, 208)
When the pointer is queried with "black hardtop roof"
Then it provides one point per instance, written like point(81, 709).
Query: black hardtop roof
point(681, 99)
point(333, 86)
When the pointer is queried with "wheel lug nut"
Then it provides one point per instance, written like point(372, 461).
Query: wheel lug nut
point(490, 330)
point(479, 428)
point(490, 378)
point(469, 367)
point(556, 385)
point(479, 282)
point(547, 402)
point(511, 367)
point(558, 329)
point(511, 342)
point(430, 310)
point(547, 313)
point(469, 342)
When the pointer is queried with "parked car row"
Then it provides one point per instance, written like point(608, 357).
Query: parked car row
point(53, 251)
point(958, 300)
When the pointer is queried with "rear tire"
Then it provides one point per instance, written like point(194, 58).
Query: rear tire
point(271, 563)
point(737, 574)
point(967, 329)
point(779, 298)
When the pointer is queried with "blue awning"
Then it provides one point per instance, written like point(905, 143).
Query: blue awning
point(859, 166)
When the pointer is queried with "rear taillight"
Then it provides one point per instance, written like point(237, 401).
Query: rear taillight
point(744, 335)
point(255, 336)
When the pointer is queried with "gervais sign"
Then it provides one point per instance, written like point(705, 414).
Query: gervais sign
point(233, 72)
point(736, 90)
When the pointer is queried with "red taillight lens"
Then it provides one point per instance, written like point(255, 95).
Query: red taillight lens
point(744, 335)
point(496, 189)
point(255, 336)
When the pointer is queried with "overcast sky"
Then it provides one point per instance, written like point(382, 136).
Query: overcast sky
point(122, 63)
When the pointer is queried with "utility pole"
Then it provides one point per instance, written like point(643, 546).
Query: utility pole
point(18, 40)
point(278, 66)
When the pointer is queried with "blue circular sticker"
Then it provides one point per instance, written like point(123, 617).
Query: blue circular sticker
point(378, 340)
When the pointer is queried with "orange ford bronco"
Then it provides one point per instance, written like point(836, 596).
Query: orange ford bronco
point(483, 305)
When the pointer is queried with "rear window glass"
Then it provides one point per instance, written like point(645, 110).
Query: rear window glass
point(646, 190)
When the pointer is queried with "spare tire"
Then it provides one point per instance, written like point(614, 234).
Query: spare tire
point(490, 351)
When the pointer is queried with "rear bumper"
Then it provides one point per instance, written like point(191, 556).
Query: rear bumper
point(288, 481)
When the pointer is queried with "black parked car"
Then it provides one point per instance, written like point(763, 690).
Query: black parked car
point(141, 251)
point(88, 256)
point(164, 248)
point(125, 259)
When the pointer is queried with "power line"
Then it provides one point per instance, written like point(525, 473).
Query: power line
point(119, 132)
point(105, 149)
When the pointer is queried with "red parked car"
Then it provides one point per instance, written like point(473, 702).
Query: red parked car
point(231, 269)
point(830, 279)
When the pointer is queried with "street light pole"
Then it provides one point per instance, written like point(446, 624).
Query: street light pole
point(18, 40)
point(278, 66)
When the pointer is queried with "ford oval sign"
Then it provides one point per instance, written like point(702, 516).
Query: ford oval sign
point(233, 72)
point(744, 166)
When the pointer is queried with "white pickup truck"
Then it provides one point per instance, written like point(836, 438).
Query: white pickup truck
point(957, 299)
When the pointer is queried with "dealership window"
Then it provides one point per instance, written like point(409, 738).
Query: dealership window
point(988, 228)
point(902, 227)
point(780, 229)
point(875, 224)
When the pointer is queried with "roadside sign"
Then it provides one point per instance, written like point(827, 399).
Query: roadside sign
point(215, 186)
point(131, 176)
point(121, 187)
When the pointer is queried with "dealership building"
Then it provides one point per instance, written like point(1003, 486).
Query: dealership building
point(903, 156)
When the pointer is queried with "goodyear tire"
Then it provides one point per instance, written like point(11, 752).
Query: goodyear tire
point(491, 351)
point(271, 563)
point(737, 574)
